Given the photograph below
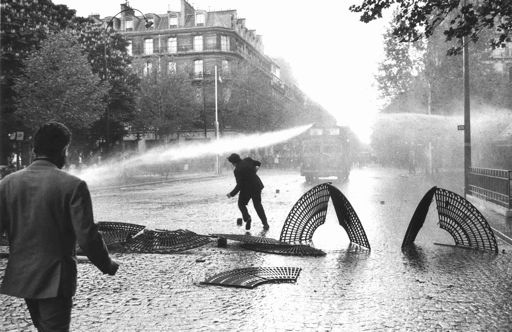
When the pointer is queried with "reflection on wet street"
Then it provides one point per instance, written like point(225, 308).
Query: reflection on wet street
point(425, 288)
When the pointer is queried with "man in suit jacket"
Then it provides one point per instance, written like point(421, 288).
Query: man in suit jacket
point(44, 211)
point(249, 184)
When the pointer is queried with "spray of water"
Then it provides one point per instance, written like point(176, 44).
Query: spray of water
point(170, 153)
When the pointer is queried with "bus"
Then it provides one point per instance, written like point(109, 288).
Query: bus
point(326, 153)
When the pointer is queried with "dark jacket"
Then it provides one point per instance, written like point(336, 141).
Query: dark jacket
point(247, 181)
point(44, 212)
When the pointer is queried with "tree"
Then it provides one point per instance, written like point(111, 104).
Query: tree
point(398, 77)
point(250, 105)
point(24, 24)
point(166, 101)
point(416, 19)
point(420, 77)
point(107, 54)
point(57, 83)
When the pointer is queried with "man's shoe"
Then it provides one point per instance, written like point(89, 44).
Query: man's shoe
point(248, 224)
point(266, 227)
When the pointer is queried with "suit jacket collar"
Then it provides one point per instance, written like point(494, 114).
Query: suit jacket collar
point(42, 163)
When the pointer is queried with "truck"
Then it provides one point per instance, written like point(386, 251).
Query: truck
point(326, 153)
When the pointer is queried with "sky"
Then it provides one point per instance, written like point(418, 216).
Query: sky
point(333, 56)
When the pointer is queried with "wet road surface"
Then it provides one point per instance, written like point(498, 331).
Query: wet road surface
point(350, 289)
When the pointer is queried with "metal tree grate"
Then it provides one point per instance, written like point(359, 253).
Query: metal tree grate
point(285, 249)
point(418, 218)
point(348, 218)
point(164, 242)
point(247, 238)
point(272, 246)
point(306, 216)
point(251, 277)
point(457, 216)
point(117, 232)
point(464, 222)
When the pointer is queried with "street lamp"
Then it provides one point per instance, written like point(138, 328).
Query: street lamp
point(467, 111)
point(217, 133)
point(148, 24)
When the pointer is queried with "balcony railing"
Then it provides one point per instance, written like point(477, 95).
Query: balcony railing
point(493, 185)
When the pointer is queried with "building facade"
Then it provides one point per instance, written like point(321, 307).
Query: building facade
point(197, 43)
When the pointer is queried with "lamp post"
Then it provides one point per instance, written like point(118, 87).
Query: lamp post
point(467, 111)
point(110, 24)
point(217, 134)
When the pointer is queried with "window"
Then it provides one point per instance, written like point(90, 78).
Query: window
point(332, 131)
point(198, 43)
point(171, 67)
point(172, 45)
point(173, 22)
point(198, 68)
point(128, 25)
point(200, 19)
point(316, 132)
point(211, 42)
point(129, 48)
point(184, 43)
point(224, 43)
point(147, 68)
point(225, 67)
point(148, 46)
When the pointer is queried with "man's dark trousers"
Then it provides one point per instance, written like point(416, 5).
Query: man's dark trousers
point(243, 200)
point(53, 314)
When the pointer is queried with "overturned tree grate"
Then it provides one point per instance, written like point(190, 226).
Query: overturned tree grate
point(285, 249)
point(272, 246)
point(418, 218)
point(306, 216)
point(457, 216)
point(251, 277)
point(348, 218)
point(464, 222)
point(163, 242)
point(118, 232)
point(247, 238)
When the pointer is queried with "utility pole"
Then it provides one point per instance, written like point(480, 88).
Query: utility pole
point(467, 120)
point(217, 163)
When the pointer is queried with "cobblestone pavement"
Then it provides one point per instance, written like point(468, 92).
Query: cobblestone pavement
point(350, 289)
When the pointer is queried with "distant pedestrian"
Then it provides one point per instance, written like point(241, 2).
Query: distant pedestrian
point(44, 211)
point(250, 186)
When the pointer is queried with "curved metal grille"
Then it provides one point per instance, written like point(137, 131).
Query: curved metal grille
point(464, 222)
point(165, 242)
point(247, 238)
point(306, 216)
point(418, 218)
point(285, 249)
point(117, 232)
point(251, 277)
point(348, 218)
point(457, 216)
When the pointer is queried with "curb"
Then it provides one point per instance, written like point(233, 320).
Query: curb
point(502, 236)
point(189, 178)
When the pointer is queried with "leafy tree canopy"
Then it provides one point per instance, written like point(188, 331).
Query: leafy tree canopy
point(57, 83)
point(466, 18)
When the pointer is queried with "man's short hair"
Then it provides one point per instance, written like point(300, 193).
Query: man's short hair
point(51, 138)
point(234, 158)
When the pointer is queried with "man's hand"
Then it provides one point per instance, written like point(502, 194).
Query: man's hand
point(113, 268)
point(229, 195)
